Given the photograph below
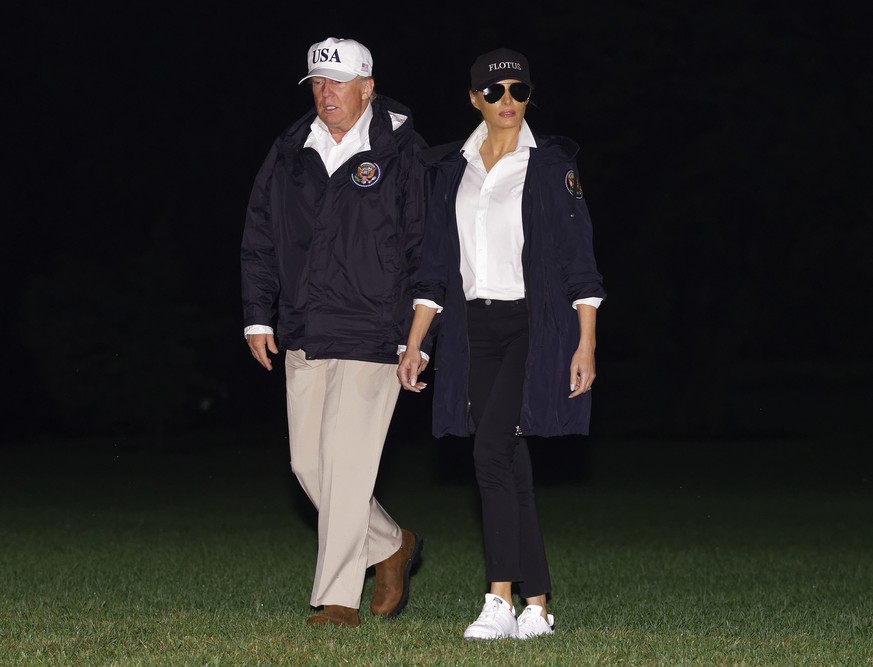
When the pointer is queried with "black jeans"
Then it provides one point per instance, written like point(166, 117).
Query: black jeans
point(514, 549)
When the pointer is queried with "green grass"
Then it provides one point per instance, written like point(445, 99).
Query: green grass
point(661, 554)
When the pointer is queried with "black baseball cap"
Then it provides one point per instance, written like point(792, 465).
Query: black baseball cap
point(497, 65)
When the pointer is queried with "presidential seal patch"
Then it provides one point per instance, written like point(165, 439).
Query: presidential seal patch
point(366, 174)
point(573, 185)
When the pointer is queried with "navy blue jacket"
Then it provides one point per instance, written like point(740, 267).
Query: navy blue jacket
point(327, 261)
point(559, 267)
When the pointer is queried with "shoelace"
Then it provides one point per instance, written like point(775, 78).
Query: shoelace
point(529, 616)
point(490, 610)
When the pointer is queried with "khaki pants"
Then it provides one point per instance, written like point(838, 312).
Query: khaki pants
point(339, 412)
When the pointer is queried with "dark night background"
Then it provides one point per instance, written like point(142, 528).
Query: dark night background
point(725, 162)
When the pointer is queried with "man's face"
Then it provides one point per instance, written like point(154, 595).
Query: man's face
point(340, 104)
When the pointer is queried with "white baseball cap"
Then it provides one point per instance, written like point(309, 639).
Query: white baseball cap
point(338, 59)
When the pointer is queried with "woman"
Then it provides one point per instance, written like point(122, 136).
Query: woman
point(508, 264)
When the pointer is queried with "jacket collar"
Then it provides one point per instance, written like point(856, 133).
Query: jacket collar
point(389, 118)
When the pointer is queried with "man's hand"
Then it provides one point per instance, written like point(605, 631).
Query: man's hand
point(259, 344)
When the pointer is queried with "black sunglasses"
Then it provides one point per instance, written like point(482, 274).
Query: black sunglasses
point(494, 93)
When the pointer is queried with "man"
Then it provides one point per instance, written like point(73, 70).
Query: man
point(331, 240)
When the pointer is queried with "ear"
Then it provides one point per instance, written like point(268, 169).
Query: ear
point(367, 86)
point(473, 100)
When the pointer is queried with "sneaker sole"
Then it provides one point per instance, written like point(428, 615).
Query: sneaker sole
point(489, 639)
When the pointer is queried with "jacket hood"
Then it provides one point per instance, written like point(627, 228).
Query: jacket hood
point(386, 105)
point(435, 154)
point(566, 147)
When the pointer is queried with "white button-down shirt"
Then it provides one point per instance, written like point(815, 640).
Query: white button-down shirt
point(333, 154)
point(488, 209)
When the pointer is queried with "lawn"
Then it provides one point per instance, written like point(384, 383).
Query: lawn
point(662, 553)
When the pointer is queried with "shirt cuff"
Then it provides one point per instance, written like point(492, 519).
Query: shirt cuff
point(590, 301)
point(257, 329)
point(402, 348)
point(428, 303)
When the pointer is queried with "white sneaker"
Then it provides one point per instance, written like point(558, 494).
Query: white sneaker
point(532, 624)
point(496, 621)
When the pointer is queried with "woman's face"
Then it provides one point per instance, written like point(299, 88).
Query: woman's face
point(505, 113)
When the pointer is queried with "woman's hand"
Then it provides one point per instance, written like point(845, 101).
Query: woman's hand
point(410, 365)
point(581, 372)
point(582, 364)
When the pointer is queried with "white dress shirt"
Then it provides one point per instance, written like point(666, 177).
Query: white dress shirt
point(334, 154)
point(488, 210)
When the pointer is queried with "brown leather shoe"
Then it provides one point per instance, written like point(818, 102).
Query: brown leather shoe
point(391, 592)
point(334, 614)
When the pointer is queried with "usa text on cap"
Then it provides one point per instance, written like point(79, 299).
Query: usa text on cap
point(339, 59)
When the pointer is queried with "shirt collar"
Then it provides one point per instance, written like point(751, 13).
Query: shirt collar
point(474, 142)
point(359, 133)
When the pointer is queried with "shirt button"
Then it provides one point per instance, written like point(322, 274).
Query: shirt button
point(487, 302)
